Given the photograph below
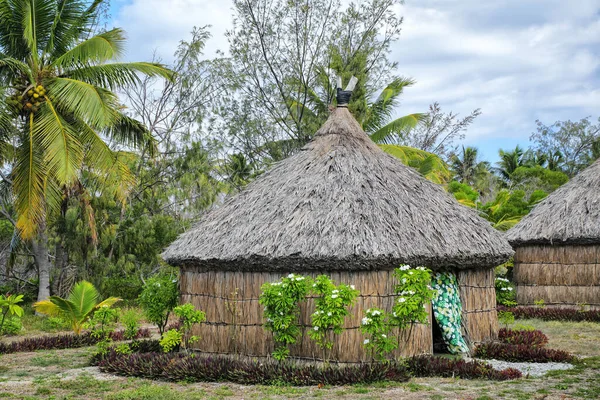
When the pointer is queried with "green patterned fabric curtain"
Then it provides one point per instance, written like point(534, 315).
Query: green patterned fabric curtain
point(447, 310)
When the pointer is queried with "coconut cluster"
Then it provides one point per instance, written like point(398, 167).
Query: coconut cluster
point(29, 101)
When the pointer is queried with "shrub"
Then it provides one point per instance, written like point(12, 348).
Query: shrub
point(505, 293)
point(197, 368)
point(171, 340)
point(185, 367)
point(131, 321)
point(158, 298)
point(526, 337)
point(78, 308)
point(281, 301)
point(188, 317)
point(331, 308)
point(11, 311)
point(66, 341)
point(506, 318)
point(11, 326)
point(430, 366)
point(521, 353)
point(553, 314)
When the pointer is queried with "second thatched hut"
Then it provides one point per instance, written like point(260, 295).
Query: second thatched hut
point(557, 246)
point(344, 208)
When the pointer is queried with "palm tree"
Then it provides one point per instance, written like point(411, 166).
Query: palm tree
point(509, 162)
point(56, 86)
point(76, 309)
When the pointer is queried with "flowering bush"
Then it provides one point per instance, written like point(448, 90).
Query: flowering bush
point(281, 301)
point(376, 326)
point(413, 293)
point(331, 308)
point(505, 293)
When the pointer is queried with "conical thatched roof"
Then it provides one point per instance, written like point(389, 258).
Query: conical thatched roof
point(340, 203)
point(569, 215)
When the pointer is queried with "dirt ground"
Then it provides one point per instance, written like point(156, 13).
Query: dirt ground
point(65, 374)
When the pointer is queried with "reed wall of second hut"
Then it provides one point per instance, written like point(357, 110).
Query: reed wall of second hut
point(559, 275)
point(234, 317)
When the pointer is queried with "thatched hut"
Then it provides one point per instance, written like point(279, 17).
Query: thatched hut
point(341, 207)
point(557, 245)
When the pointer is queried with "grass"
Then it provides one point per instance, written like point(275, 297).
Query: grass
point(62, 374)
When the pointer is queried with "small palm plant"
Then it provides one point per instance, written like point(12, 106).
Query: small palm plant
point(78, 308)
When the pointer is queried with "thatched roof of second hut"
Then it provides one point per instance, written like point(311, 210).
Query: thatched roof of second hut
point(340, 203)
point(569, 215)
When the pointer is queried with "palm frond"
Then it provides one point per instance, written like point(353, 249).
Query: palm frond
point(84, 297)
point(381, 110)
point(431, 166)
point(12, 40)
point(67, 27)
point(47, 307)
point(62, 149)
point(38, 16)
point(15, 66)
point(118, 75)
point(131, 132)
point(97, 49)
point(29, 175)
point(94, 105)
point(386, 133)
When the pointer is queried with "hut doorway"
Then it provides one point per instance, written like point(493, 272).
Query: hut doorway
point(439, 345)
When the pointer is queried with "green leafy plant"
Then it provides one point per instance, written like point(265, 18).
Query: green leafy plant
point(331, 308)
point(506, 318)
point(413, 293)
point(9, 306)
point(171, 340)
point(188, 317)
point(103, 322)
point(281, 309)
point(131, 321)
point(505, 294)
point(123, 348)
point(158, 298)
point(540, 303)
point(78, 308)
point(375, 325)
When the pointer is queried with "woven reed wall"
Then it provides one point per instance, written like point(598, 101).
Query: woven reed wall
point(234, 322)
point(478, 298)
point(559, 275)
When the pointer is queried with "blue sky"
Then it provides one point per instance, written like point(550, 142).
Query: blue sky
point(517, 60)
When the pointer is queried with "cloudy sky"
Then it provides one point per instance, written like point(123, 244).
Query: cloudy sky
point(517, 60)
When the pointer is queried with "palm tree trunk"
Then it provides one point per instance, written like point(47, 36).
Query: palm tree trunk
point(39, 248)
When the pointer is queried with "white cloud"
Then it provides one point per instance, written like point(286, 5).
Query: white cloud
point(517, 60)
point(159, 25)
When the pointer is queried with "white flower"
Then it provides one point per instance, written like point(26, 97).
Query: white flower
point(334, 296)
point(280, 312)
point(510, 289)
point(300, 278)
point(335, 291)
point(314, 285)
point(383, 336)
point(329, 314)
point(316, 328)
point(401, 300)
point(404, 267)
point(365, 321)
point(410, 272)
point(290, 275)
point(157, 284)
point(279, 294)
point(403, 280)
point(366, 341)
point(352, 287)
point(394, 314)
